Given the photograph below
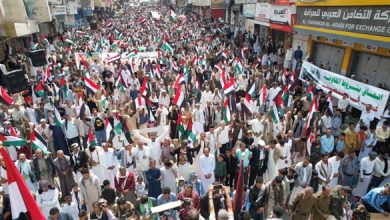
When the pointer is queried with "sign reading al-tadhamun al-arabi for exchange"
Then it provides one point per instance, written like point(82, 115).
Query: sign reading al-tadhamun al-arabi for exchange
point(374, 20)
point(360, 94)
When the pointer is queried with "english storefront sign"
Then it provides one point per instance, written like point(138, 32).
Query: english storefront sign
point(364, 20)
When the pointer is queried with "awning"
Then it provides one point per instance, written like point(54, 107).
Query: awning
point(345, 36)
point(262, 23)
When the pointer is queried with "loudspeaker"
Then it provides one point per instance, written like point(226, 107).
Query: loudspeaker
point(93, 26)
point(15, 81)
point(38, 58)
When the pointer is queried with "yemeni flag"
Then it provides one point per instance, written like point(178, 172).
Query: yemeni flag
point(180, 80)
point(57, 117)
point(247, 103)
point(263, 95)
point(5, 97)
point(180, 127)
point(310, 94)
point(38, 142)
point(172, 16)
point(167, 48)
point(229, 87)
point(91, 86)
point(157, 71)
point(223, 79)
point(20, 205)
point(113, 58)
point(91, 138)
point(252, 90)
point(194, 60)
point(190, 134)
point(108, 129)
point(12, 140)
point(179, 97)
point(279, 103)
point(284, 76)
point(311, 115)
point(144, 88)
point(275, 113)
point(238, 67)
point(239, 194)
point(227, 116)
point(39, 91)
point(309, 142)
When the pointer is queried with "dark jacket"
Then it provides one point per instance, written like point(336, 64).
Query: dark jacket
point(83, 161)
point(49, 164)
point(231, 164)
point(257, 198)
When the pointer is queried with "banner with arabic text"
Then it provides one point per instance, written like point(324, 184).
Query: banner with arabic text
point(339, 84)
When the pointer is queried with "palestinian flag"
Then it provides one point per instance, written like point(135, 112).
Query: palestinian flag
point(69, 41)
point(117, 125)
point(226, 109)
point(84, 60)
point(92, 86)
point(115, 45)
point(103, 101)
point(247, 103)
point(57, 117)
point(180, 127)
point(190, 134)
point(310, 93)
point(4, 97)
point(38, 142)
point(311, 115)
point(108, 129)
point(309, 142)
point(139, 101)
point(23, 204)
point(166, 47)
point(180, 80)
point(229, 87)
point(141, 48)
point(172, 16)
point(187, 74)
point(238, 67)
point(252, 90)
point(45, 42)
point(202, 61)
point(91, 138)
point(263, 95)
point(144, 88)
point(132, 54)
point(196, 90)
point(179, 97)
point(275, 113)
point(157, 72)
point(39, 91)
point(279, 103)
point(12, 140)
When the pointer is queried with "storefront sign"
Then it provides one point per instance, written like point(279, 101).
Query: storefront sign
point(58, 10)
point(364, 20)
point(281, 17)
point(201, 2)
point(238, 2)
point(72, 8)
point(339, 84)
point(15, 11)
point(249, 10)
point(55, 2)
point(217, 4)
point(262, 12)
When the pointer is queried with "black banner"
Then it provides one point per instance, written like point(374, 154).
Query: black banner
point(364, 20)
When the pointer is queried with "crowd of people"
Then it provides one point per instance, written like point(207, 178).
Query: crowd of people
point(129, 137)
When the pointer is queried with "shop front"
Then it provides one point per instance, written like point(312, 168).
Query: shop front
point(348, 37)
point(282, 18)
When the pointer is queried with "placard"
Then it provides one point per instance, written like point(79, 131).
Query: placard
point(262, 12)
point(58, 10)
point(339, 84)
point(365, 20)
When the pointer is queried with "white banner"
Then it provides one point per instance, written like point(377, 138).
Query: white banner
point(339, 84)
point(249, 10)
point(262, 12)
point(58, 10)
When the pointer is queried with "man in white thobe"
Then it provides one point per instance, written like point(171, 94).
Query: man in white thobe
point(207, 96)
point(366, 168)
point(169, 174)
point(285, 156)
point(141, 154)
point(366, 117)
point(154, 143)
point(325, 172)
point(109, 163)
point(198, 120)
point(95, 158)
point(303, 170)
point(207, 166)
point(335, 162)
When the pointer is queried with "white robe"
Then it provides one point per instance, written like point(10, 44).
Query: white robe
point(96, 156)
point(169, 178)
point(366, 166)
point(108, 160)
point(207, 166)
point(142, 158)
point(48, 200)
point(285, 152)
point(272, 170)
point(155, 147)
point(335, 168)
point(198, 119)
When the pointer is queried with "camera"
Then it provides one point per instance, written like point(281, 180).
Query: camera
point(187, 202)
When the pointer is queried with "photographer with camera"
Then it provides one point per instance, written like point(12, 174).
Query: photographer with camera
point(101, 211)
point(220, 192)
point(190, 200)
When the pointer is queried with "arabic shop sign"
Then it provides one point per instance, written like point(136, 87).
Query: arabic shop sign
point(364, 20)
point(339, 84)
